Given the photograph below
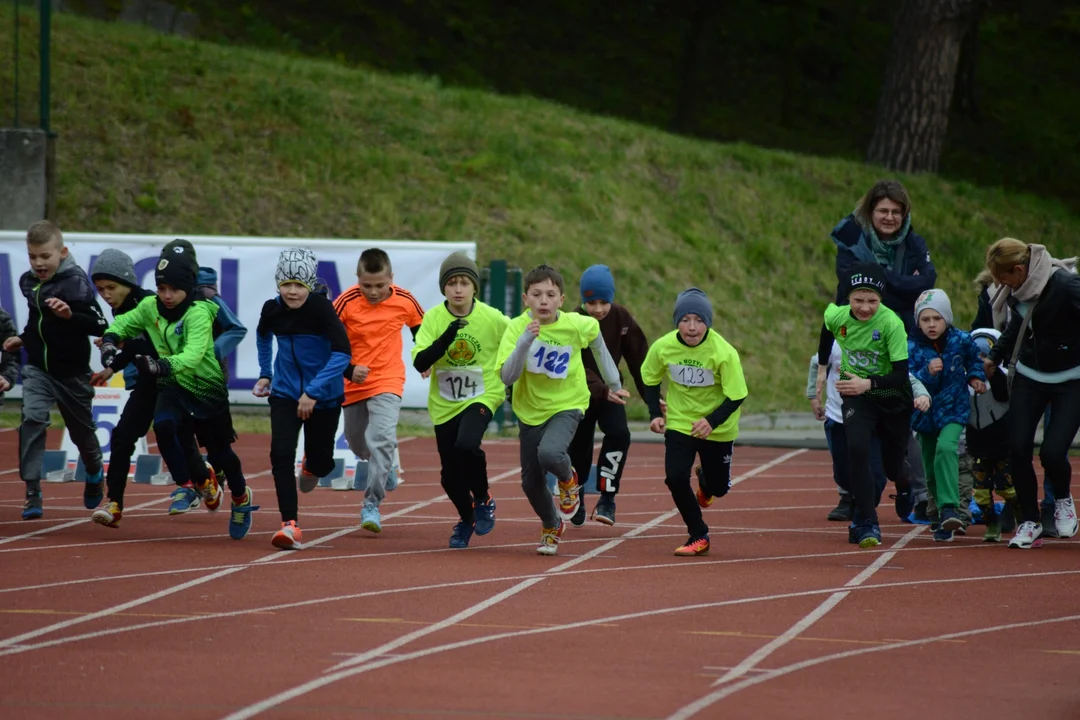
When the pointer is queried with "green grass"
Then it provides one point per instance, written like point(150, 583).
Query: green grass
point(165, 135)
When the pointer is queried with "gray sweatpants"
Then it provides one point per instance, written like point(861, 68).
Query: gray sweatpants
point(544, 450)
point(371, 431)
point(74, 396)
point(915, 472)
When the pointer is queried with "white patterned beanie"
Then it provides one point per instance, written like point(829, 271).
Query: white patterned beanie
point(296, 265)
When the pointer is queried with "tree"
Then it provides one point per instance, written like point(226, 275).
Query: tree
point(920, 76)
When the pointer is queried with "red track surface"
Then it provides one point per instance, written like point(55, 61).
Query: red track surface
point(167, 617)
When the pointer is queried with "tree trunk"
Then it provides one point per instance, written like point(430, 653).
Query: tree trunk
point(686, 104)
point(966, 97)
point(920, 76)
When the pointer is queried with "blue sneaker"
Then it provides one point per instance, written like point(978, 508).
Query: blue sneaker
point(950, 519)
point(868, 534)
point(32, 509)
point(485, 516)
point(943, 535)
point(94, 490)
point(240, 517)
point(392, 481)
point(369, 518)
point(184, 499)
point(462, 533)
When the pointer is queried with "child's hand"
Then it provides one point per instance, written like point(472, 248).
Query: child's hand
point(97, 342)
point(935, 366)
point(663, 406)
point(977, 385)
point(101, 379)
point(262, 388)
point(13, 344)
point(533, 328)
point(657, 425)
point(4, 384)
point(152, 366)
point(853, 386)
point(360, 373)
point(304, 407)
point(815, 405)
point(922, 403)
point(989, 367)
point(618, 396)
point(701, 429)
point(60, 308)
point(426, 374)
point(822, 373)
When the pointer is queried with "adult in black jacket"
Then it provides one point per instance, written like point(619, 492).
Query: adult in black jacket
point(1043, 335)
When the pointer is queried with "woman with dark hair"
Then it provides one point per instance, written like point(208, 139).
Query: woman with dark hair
point(879, 231)
point(1041, 345)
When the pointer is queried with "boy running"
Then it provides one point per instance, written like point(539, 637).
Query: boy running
point(457, 346)
point(875, 390)
point(63, 313)
point(191, 387)
point(540, 356)
point(304, 383)
point(623, 338)
point(705, 390)
point(374, 311)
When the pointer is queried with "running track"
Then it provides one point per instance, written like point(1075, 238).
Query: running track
point(169, 618)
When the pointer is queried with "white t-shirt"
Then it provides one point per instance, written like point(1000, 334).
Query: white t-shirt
point(833, 409)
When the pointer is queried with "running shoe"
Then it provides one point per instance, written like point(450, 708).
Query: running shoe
point(549, 540)
point(288, 537)
point(485, 516)
point(463, 532)
point(184, 499)
point(240, 515)
point(693, 547)
point(109, 516)
point(569, 498)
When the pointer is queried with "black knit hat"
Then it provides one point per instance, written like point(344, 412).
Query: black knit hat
point(867, 276)
point(177, 271)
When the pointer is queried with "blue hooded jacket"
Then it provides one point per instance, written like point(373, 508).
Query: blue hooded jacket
point(950, 401)
point(228, 330)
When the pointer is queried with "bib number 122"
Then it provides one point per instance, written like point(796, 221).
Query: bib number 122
point(551, 361)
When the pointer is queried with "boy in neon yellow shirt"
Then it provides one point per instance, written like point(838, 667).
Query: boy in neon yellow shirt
point(456, 346)
point(875, 390)
point(705, 389)
point(540, 356)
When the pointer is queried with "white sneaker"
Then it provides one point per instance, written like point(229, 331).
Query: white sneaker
point(1026, 535)
point(1065, 517)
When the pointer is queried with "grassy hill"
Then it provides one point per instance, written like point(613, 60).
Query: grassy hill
point(164, 135)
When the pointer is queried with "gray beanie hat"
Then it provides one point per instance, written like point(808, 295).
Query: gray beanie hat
point(458, 264)
point(115, 265)
point(934, 300)
point(693, 301)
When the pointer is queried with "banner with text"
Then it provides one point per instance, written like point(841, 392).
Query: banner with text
point(245, 269)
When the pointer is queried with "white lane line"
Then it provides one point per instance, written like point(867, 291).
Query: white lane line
point(70, 523)
point(359, 660)
point(759, 655)
point(728, 690)
point(17, 639)
point(270, 703)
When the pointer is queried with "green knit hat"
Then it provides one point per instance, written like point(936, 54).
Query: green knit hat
point(459, 264)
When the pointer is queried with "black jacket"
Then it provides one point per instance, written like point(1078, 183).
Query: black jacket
point(1052, 341)
point(9, 362)
point(57, 346)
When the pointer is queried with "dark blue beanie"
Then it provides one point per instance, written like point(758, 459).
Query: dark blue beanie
point(597, 284)
point(693, 301)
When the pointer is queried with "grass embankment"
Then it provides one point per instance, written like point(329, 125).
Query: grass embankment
point(165, 135)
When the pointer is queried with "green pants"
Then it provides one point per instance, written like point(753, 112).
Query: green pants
point(967, 490)
point(941, 461)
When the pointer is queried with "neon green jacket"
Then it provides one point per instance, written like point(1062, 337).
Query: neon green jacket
point(187, 346)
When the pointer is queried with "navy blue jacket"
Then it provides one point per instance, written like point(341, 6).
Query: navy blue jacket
point(902, 285)
point(312, 354)
point(949, 398)
point(57, 346)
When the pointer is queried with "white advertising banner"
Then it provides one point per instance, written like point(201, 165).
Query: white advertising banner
point(108, 405)
point(245, 268)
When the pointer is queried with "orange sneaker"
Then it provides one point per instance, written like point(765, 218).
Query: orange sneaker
point(549, 540)
point(569, 497)
point(288, 537)
point(308, 481)
point(694, 547)
point(211, 490)
point(702, 499)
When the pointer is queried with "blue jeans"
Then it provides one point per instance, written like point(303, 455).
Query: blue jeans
point(836, 437)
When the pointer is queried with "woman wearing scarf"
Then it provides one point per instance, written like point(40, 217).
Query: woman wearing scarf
point(879, 231)
point(1041, 345)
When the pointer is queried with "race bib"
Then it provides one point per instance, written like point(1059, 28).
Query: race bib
point(866, 360)
point(691, 376)
point(461, 384)
point(550, 360)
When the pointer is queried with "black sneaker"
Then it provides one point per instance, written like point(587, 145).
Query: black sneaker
point(1047, 520)
point(579, 517)
point(919, 513)
point(902, 501)
point(844, 510)
point(604, 512)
